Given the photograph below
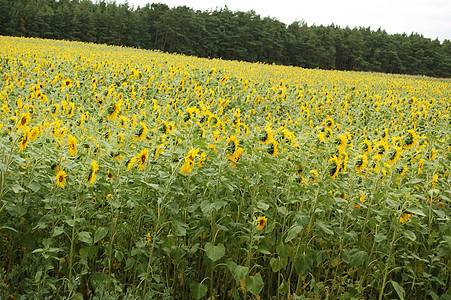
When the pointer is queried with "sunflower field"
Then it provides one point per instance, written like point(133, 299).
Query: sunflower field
point(132, 174)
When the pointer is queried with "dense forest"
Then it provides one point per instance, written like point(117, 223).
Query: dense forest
point(227, 34)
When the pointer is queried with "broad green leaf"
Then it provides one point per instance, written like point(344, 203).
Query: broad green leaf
point(262, 205)
point(57, 231)
point(238, 272)
point(416, 211)
point(180, 228)
point(34, 186)
point(214, 253)
point(85, 237)
point(17, 188)
point(198, 290)
point(354, 257)
point(278, 263)
point(254, 284)
point(303, 263)
point(88, 252)
point(410, 235)
point(100, 233)
point(399, 289)
point(326, 228)
point(283, 251)
point(293, 232)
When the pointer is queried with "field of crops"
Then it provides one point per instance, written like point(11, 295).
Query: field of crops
point(130, 174)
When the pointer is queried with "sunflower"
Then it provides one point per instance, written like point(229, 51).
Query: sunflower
point(92, 175)
point(54, 109)
point(60, 178)
point(232, 144)
point(272, 147)
point(142, 158)
point(25, 139)
point(158, 150)
point(381, 148)
point(401, 171)
point(114, 109)
point(327, 133)
point(420, 166)
point(267, 135)
point(130, 163)
point(66, 83)
point(334, 166)
point(366, 146)
point(394, 154)
point(202, 159)
point(72, 144)
point(410, 140)
point(341, 142)
point(361, 162)
point(404, 218)
point(188, 166)
point(235, 157)
point(23, 121)
point(261, 222)
point(329, 122)
point(148, 238)
point(141, 133)
point(313, 176)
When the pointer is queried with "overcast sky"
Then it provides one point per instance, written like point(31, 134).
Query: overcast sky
point(432, 18)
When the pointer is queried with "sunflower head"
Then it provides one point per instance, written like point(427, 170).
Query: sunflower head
point(334, 166)
point(410, 139)
point(272, 147)
point(60, 178)
point(261, 222)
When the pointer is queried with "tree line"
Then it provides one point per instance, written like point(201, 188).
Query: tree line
point(226, 34)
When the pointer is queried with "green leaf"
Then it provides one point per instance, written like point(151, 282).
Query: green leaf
point(16, 188)
point(262, 205)
point(303, 263)
point(77, 296)
point(254, 284)
point(37, 276)
point(58, 230)
point(293, 232)
point(198, 290)
point(354, 257)
point(214, 253)
point(85, 237)
point(180, 228)
point(410, 235)
point(325, 228)
point(399, 289)
point(34, 186)
point(205, 207)
point(238, 272)
point(88, 252)
point(278, 263)
point(283, 251)
point(100, 233)
point(416, 211)
point(379, 237)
